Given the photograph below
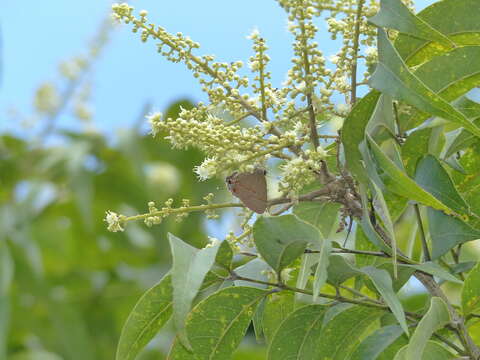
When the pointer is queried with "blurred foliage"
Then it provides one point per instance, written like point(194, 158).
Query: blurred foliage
point(67, 283)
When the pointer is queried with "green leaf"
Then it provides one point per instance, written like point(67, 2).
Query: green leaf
point(464, 139)
point(451, 76)
point(353, 133)
point(277, 308)
point(304, 273)
point(180, 352)
point(432, 177)
point(395, 15)
point(433, 351)
point(6, 278)
point(384, 213)
point(280, 240)
point(322, 215)
point(224, 255)
point(393, 77)
point(382, 119)
point(147, 317)
point(34, 355)
point(404, 274)
point(216, 326)
point(447, 232)
point(258, 322)
point(340, 270)
point(463, 267)
point(376, 343)
point(434, 269)
point(321, 272)
point(471, 291)
point(398, 182)
point(307, 323)
point(189, 268)
point(363, 244)
point(367, 226)
point(463, 32)
point(255, 269)
point(435, 318)
point(382, 281)
point(341, 335)
point(416, 145)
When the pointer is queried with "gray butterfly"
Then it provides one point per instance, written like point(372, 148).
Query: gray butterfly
point(250, 188)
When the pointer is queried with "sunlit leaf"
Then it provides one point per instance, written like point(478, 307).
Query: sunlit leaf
point(464, 32)
point(393, 77)
point(353, 133)
point(395, 15)
point(436, 317)
point(189, 268)
point(398, 182)
point(471, 291)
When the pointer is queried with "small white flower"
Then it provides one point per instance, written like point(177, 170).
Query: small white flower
point(153, 120)
point(333, 59)
point(254, 34)
point(336, 123)
point(286, 275)
point(207, 169)
point(322, 152)
point(114, 222)
point(212, 242)
point(343, 108)
point(371, 51)
point(301, 86)
point(290, 26)
point(325, 92)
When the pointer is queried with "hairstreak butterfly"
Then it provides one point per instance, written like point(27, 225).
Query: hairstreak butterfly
point(250, 188)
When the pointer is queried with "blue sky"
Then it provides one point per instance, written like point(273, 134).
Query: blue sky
point(37, 36)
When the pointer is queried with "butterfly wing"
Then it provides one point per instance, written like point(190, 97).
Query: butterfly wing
point(250, 188)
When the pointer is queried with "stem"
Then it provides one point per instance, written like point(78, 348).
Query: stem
point(426, 253)
point(358, 252)
point(282, 286)
point(169, 211)
point(308, 92)
point(262, 86)
point(356, 38)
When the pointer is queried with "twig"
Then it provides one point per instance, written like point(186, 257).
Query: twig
point(356, 38)
point(426, 253)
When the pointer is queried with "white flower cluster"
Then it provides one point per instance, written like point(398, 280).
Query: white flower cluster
point(219, 80)
point(308, 62)
point(299, 172)
point(114, 221)
point(228, 147)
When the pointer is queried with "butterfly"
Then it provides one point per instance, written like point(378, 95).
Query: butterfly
point(250, 188)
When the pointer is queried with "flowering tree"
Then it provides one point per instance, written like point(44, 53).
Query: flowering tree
point(397, 165)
